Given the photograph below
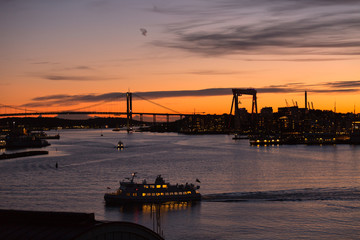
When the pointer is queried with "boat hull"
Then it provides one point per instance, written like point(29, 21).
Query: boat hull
point(113, 199)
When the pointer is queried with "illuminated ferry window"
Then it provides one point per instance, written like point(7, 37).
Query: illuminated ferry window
point(171, 193)
point(167, 194)
point(158, 186)
point(148, 194)
point(180, 193)
point(164, 186)
point(144, 194)
point(134, 194)
point(162, 194)
point(157, 194)
point(128, 194)
point(152, 186)
point(146, 186)
point(175, 193)
point(153, 194)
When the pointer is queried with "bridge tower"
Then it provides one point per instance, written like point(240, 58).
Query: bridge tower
point(129, 110)
point(236, 93)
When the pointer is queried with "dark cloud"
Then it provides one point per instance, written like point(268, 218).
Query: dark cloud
point(51, 97)
point(74, 78)
point(343, 84)
point(68, 78)
point(68, 100)
point(213, 72)
point(83, 68)
point(282, 27)
point(44, 63)
point(297, 59)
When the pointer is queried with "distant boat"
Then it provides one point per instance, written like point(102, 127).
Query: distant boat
point(239, 137)
point(43, 135)
point(265, 140)
point(120, 145)
point(157, 192)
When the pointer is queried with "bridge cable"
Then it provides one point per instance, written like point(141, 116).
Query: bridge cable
point(96, 104)
point(18, 108)
point(157, 104)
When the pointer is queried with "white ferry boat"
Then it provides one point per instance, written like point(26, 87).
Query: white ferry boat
point(158, 192)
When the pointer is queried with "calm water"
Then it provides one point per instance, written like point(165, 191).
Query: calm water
point(279, 192)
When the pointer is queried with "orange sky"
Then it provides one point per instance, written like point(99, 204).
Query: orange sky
point(59, 55)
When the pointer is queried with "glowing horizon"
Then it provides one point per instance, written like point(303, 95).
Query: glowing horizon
point(66, 55)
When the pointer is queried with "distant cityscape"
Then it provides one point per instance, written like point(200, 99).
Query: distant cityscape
point(287, 121)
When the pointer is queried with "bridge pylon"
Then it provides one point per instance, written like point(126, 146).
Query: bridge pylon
point(129, 110)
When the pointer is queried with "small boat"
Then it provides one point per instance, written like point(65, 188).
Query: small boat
point(120, 145)
point(157, 192)
point(43, 135)
point(239, 137)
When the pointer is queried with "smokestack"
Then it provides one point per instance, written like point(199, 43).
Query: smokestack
point(305, 99)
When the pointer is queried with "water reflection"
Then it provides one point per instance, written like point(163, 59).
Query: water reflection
point(149, 207)
point(152, 215)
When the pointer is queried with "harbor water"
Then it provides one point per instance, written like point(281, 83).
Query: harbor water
point(249, 192)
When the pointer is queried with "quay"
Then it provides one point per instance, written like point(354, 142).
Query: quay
point(22, 154)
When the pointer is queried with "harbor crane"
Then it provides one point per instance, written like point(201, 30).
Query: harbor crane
point(235, 103)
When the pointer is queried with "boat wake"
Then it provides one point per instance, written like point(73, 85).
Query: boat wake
point(308, 194)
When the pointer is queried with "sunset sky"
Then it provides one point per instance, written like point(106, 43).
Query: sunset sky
point(185, 55)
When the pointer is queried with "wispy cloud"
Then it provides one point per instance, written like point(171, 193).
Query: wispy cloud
point(76, 78)
point(82, 67)
point(324, 27)
point(298, 59)
point(69, 78)
point(343, 84)
point(213, 72)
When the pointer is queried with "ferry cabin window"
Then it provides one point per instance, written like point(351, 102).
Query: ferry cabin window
point(171, 193)
point(164, 186)
point(146, 186)
point(152, 186)
point(134, 194)
point(158, 186)
point(144, 194)
point(153, 194)
point(128, 194)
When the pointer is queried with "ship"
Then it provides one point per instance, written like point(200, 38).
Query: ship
point(24, 141)
point(157, 192)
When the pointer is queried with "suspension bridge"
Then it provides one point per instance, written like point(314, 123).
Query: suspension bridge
point(129, 113)
point(24, 112)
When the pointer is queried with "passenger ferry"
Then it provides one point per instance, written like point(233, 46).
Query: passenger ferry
point(158, 192)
